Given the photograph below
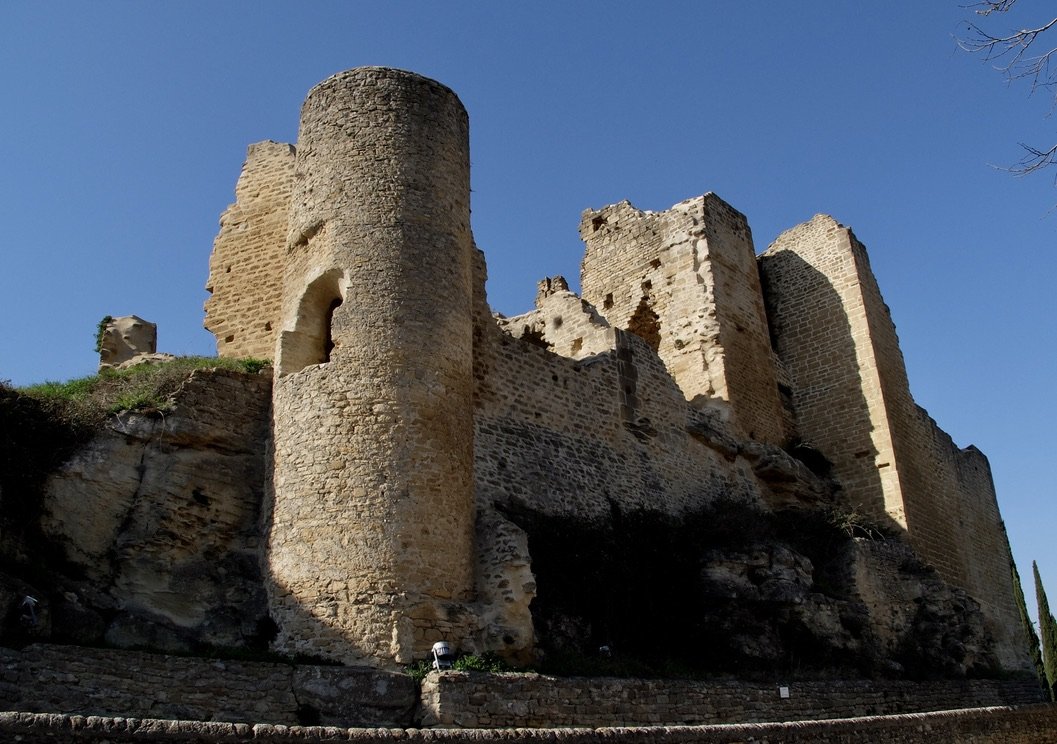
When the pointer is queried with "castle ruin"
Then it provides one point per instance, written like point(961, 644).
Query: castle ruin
point(416, 436)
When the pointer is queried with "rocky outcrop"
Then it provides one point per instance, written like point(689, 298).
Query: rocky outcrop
point(122, 339)
point(158, 521)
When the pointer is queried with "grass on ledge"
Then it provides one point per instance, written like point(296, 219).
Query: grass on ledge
point(86, 401)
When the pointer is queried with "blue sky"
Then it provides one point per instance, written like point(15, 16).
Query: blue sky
point(123, 126)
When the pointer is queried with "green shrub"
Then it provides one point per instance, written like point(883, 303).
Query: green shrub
point(100, 330)
point(419, 669)
point(486, 662)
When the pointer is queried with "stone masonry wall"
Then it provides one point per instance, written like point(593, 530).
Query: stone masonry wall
point(1031, 725)
point(836, 338)
point(533, 450)
point(686, 281)
point(954, 523)
point(811, 277)
point(473, 700)
point(246, 267)
point(371, 542)
point(106, 682)
point(998, 725)
point(400, 406)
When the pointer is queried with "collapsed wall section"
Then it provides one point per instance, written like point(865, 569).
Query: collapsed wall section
point(371, 540)
point(247, 263)
point(835, 336)
point(686, 282)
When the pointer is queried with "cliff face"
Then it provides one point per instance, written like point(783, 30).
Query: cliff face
point(149, 535)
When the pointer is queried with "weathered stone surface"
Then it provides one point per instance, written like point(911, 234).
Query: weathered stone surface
point(474, 700)
point(994, 725)
point(246, 266)
point(161, 513)
point(146, 358)
point(125, 338)
point(848, 386)
point(673, 385)
point(686, 281)
point(370, 548)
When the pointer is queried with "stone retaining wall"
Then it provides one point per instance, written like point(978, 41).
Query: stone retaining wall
point(468, 700)
point(1031, 725)
point(107, 682)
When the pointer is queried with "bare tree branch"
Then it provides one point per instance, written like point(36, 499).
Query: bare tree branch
point(1012, 50)
point(1034, 160)
point(1013, 56)
point(987, 7)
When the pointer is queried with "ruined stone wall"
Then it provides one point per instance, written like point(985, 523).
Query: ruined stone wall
point(835, 336)
point(246, 267)
point(954, 523)
point(371, 541)
point(401, 405)
point(581, 422)
point(686, 281)
point(535, 451)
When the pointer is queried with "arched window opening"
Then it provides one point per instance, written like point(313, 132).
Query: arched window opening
point(311, 340)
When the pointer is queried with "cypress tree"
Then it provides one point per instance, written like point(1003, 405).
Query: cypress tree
point(1048, 628)
point(1029, 627)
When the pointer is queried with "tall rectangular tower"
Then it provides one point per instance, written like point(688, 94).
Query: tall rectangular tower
point(686, 281)
point(835, 336)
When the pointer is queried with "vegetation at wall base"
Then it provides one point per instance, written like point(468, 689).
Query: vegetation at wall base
point(486, 662)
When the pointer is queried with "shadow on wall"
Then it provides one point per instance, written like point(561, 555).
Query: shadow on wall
point(813, 338)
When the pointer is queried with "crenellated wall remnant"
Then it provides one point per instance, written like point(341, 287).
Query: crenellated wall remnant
point(431, 460)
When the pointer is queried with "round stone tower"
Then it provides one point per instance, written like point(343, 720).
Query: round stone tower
point(370, 548)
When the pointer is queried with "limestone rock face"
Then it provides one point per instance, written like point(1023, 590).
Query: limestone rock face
point(125, 338)
point(161, 516)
